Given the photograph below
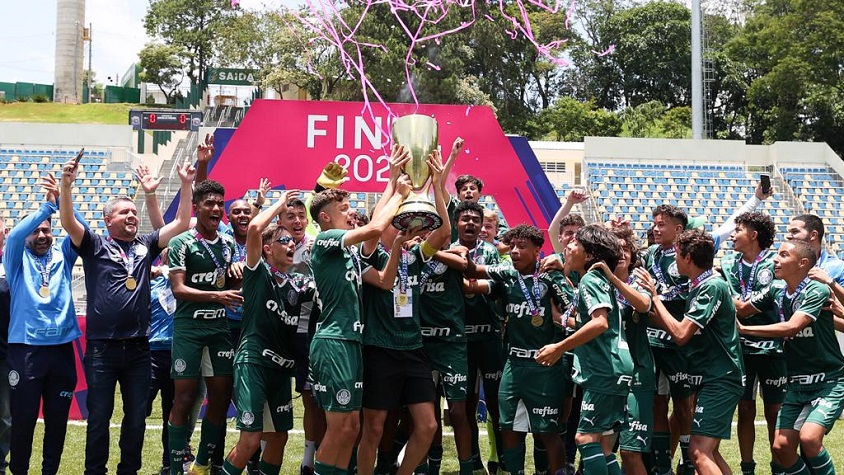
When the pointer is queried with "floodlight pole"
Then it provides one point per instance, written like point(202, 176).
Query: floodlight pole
point(697, 73)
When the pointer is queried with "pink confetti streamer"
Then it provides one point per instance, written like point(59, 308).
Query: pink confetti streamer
point(609, 50)
point(235, 3)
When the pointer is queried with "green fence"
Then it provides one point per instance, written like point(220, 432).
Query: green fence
point(115, 94)
point(26, 90)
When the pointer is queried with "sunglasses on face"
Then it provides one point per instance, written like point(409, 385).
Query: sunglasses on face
point(284, 240)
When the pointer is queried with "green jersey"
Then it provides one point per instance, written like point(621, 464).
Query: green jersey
point(710, 307)
point(636, 332)
point(441, 302)
point(388, 323)
point(530, 323)
point(744, 279)
point(483, 314)
point(673, 288)
point(205, 264)
point(338, 272)
point(271, 316)
point(567, 291)
point(602, 365)
point(813, 357)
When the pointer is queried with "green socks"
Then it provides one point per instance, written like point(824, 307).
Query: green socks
point(229, 469)
point(592, 456)
point(269, 469)
point(465, 467)
point(662, 452)
point(821, 464)
point(177, 443)
point(209, 435)
point(686, 467)
point(612, 465)
point(515, 459)
point(435, 457)
point(799, 468)
point(777, 469)
point(540, 458)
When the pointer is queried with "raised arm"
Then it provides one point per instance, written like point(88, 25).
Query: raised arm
point(574, 197)
point(74, 228)
point(441, 235)
point(723, 232)
point(398, 157)
point(638, 300)
point(254, 242)
point(204, 153)
point(149, 184)
point(456, 147)
point(385, 278)
point(380, 222)
point(179, 225)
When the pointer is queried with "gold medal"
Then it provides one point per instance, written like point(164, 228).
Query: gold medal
point(402, 299)
point(131, 283)
point(44, 291)
point(536, 321)
point(220, 281)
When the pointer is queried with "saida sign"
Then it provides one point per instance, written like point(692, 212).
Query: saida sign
point(232, 77)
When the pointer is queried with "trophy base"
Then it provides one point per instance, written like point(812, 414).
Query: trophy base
point(418, 215)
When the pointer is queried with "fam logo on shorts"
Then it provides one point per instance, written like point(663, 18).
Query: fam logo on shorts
point(673, 271)
point(765, 276)
point(343, 397)
point(14, 378)
point(247, 418)
point(180, 366)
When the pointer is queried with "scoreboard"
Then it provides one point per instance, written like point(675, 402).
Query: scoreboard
point(166, 119)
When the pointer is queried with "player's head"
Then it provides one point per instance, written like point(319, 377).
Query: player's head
point(794, 259)
point(40, 240)
point(569, 226)
point(669, 222)
point(278, 246)
point(649, 235)
point(469, 187)
point(240, 214)
point(361, 219)
point(295, 219)
point(525, 245)
point(806, 227)
point(331, 209)
point(208, 204)
point(489, 228)
point(468, 218)
point(695, 250)
point(753, 227)
point(592, 244)
point(629, 258)
point(121, 218)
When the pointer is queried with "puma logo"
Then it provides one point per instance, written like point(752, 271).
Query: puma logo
point(697, 422)
point(591, 420)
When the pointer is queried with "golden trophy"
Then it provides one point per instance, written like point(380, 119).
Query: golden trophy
point(418, 134)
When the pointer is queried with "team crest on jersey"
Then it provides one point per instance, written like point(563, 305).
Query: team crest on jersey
point(543, 289)
point(180, 366)
point(765, 276)
point(247, 418)
point(14, 378)
point(673, 271)
point(410, 257)
point(293, 297)
point(343, 397)
point(440, 268)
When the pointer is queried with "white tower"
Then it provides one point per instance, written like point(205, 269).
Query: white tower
point(70, 21)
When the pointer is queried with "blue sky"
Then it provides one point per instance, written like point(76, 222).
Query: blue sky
point(27, 32)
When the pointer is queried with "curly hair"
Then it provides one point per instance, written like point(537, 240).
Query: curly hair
point(467, 205)
point(631, 244)
point(670, 211)
point(323, 198)
point(764, 226)
point(528, 233)
point(600, 243)
point(697, 244)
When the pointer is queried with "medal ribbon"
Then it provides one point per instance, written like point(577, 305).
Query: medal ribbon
point(622, 301)
point(239, 252)
point(534, 307)
point(671, 292)
point(703, 277)
point(426, 274)
point(747, 289)
point(226, 250)
point(356, 262)
point(403, 273)
point(285, 279)
point(781, 307)
point(44, 267)
point(128, 260)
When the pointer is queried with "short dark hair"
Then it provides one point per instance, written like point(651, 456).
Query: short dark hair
point(813, 223)
point(764, 226)
point(507, 236)
point(295, 203)
point(699, 245)
point(572, 220)
point(804, 251)
point(206, 187)
point(528, 233)
point(231, 205)
point(600, 243)
point(463, 179)
point(467, 205)
point(361, 219)
point(630, 242)
point(678, 215)
point(325, 197)
point(272, 232)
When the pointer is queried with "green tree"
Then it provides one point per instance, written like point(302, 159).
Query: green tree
point(653, 120)
point(161, 65)
point(570, 120)
point(190, 26)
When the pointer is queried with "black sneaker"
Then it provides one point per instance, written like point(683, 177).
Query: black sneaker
point(492, 467)
point(164, 471)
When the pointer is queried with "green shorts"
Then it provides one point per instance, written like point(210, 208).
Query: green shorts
point(449, 366)
point(530, 398)
point(715, 405)
point(821, 406)
point(336, 374)
point(638, 428)
point(264, 398)
point(672, 373)
point(601, 413)
point(766, 373)
point(486, 357)
point(202, 351)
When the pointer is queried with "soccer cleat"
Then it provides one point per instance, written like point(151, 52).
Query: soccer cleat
point(197, 469)
point(164, 471)
point(304, 470)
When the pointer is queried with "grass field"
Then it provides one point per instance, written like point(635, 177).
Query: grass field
point(73, 461)
point(51, 112)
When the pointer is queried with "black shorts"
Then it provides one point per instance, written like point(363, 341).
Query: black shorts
point(395, 378)
point(301, 356)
